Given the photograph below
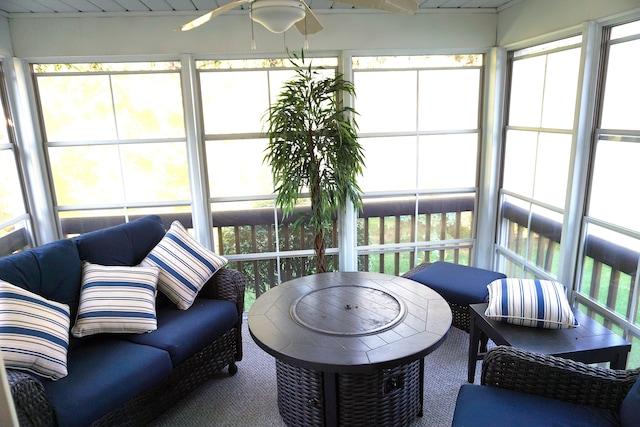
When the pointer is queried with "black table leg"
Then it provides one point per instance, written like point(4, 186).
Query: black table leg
point(421, 411)
point(474, 345)
point(330, 381)
point(620, 360)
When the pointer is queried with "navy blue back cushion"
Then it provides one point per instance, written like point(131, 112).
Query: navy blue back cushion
point(125, 244)
point(456, 283)
point(630, 408)
point(53, 271)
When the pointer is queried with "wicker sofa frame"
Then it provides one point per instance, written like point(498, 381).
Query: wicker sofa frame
point(461, 318)
point(33, 409)
point(557, 378)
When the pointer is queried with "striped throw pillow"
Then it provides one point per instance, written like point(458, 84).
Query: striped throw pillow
point(34, 332)
point(116, 299)
point(185, 265)
point(528, 302)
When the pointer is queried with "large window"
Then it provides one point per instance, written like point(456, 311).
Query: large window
point(610, 252)
point(537, 155)
point(115, 139)
point(419, 122)
point(14, 221)
point(236, 95)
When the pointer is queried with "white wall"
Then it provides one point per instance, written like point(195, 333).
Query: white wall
point(91, 35)
point(5, 38)
point(531, 18)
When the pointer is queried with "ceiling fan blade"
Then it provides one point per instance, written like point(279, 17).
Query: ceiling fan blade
point(310, 23)
point(207, 16)
point(405, 7)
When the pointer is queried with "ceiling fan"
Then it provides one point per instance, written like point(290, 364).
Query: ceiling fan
point(278, 16)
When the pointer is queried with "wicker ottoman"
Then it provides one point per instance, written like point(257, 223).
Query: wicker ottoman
point(390, 397)
point(460, 285)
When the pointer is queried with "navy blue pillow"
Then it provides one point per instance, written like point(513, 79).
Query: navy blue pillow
point(124, 245)
point(630, 408)
point(52, 271)
point(456, 283)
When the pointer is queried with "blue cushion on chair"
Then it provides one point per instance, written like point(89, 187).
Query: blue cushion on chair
point(497, 407)
point(630, 408)
point(456, 283)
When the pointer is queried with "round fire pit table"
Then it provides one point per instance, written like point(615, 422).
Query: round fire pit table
point(350, 347)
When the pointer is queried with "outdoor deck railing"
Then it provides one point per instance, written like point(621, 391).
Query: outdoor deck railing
point(248, 238)
point(609, 270)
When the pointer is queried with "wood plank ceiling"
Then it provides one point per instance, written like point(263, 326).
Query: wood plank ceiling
point(110, 6)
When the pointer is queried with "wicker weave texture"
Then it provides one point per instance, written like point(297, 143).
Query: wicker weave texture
point(390, 397)
point(300, 395)
point(557, 378)
point(30, 401)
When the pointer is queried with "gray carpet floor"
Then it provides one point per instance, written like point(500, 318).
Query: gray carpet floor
point(249, 398)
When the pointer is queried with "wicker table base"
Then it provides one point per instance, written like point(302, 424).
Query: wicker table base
point(390, 397)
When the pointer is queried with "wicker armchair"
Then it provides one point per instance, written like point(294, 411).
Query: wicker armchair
point(599, 389)
point(557, 378)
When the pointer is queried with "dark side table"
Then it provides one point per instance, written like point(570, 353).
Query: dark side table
point(588, 343)
point(350, 346)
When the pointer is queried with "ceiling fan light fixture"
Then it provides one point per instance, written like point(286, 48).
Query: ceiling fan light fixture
point(277, 16)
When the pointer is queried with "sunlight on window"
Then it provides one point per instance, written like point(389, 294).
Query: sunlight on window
point(615, 172)
point(447, 161)
point(386, 101)
point(625, 30)
point(417, 61)
point(77, 108)
point(115, 135)
point(448, 99)
point(386, 165)
point(621, 109)
point(11, 202)
point(249, 177)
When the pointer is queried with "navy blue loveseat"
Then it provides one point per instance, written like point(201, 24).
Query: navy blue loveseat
point(124, 379)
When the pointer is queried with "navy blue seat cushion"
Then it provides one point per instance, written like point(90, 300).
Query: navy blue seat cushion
point(456, 283)
point(53, 271)
point(124, 244)
point(104, 374)
point(185, 332)
point(630, 408)
point(496, 407)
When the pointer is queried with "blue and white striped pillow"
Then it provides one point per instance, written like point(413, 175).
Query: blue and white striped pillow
point(116, 299)
point(34, 332)
point(528, 302)
point(185, 265)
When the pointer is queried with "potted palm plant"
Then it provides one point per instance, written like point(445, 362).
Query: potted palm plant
point(313, 148)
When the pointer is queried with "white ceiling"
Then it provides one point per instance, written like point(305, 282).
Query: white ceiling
point(97, 6)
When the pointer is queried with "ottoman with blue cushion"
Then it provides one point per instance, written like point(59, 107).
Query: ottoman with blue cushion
point(459, 285)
